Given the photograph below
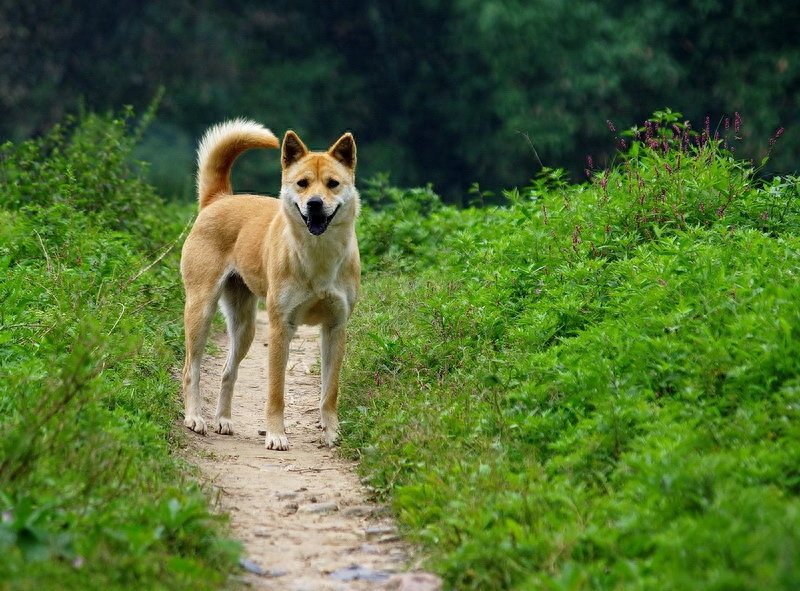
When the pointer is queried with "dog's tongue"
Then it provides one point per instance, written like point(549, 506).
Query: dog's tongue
point(317, 224)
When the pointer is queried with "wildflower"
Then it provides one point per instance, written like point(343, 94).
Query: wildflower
point(737, 122)
point(611, 126)
point(774, 138)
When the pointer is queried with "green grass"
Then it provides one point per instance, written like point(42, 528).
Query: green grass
point(92, 495)
point(595, 386)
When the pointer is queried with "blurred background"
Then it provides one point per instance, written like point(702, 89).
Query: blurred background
point(448, 93)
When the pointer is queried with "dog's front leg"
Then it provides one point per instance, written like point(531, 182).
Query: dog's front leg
point(332, 347)
point(280, 335)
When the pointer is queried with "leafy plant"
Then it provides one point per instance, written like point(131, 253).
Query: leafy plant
point(90, 493)
point(594, 386)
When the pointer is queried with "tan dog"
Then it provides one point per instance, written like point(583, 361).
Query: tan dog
point(299, 252)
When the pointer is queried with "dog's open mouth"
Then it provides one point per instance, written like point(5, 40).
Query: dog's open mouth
point(316, 221)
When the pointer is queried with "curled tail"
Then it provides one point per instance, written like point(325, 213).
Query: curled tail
point(218, 150)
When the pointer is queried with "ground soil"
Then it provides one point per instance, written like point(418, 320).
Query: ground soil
point(305, 520)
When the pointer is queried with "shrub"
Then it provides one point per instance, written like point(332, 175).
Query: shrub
point(90, 493)
point(595, 386)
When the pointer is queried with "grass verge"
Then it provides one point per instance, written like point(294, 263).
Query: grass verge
point(595, 386)
point(91, 494)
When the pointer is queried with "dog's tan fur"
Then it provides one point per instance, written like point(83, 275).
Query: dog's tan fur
point(299, 252)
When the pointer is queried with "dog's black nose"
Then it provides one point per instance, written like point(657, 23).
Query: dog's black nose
point(314, 206)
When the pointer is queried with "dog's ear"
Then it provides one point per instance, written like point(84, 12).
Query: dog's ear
point(344, 150)
point(292, 150)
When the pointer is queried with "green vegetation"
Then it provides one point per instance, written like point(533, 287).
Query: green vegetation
point(91, 495)
point(593, 386)
point(596, 386)
point(435, 91)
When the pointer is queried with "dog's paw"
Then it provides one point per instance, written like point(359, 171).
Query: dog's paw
point(278, 442)
point(330, 428)
point(330, 437)
point(224, 426)
point(195, 423)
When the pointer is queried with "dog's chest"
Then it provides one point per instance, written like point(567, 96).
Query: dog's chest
point(316, 303)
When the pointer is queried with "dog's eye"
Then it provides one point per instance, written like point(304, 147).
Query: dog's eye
point(302, 183)
point(333, 183)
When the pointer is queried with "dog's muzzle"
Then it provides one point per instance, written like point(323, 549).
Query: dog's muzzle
point(315, 219)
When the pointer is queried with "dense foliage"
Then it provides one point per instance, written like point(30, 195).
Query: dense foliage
point(91, 496)
point(596, 387)
point(435, 91)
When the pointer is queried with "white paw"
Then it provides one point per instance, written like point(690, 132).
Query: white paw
point(330, 428)
point(224, 426)
point(279, 442)
point(195, 423)
point(330, 436)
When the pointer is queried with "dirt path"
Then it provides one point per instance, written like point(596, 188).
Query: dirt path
point(302, 514)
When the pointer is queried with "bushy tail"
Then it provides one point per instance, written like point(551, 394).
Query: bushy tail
point(218, 150)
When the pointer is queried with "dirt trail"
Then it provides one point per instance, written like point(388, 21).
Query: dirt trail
point(302, 514)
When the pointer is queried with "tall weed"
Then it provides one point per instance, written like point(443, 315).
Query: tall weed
point(90, 494)
point(595, 386)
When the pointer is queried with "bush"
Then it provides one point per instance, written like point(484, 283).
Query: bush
point(90, 493)
point(595, 386)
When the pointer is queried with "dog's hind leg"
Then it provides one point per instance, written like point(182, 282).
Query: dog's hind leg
point(239, 305)
point(332, 346)
point(198, 313)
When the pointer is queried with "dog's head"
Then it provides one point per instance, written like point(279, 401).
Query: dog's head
point(318, 188)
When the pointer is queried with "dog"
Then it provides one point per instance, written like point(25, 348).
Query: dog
point(298, 252)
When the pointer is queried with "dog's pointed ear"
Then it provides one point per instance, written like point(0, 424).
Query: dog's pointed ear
point(344, 150)
point(292, 149)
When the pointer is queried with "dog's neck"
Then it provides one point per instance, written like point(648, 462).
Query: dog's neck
point(322, 256)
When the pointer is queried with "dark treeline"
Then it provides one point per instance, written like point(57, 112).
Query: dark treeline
point(436, 91)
